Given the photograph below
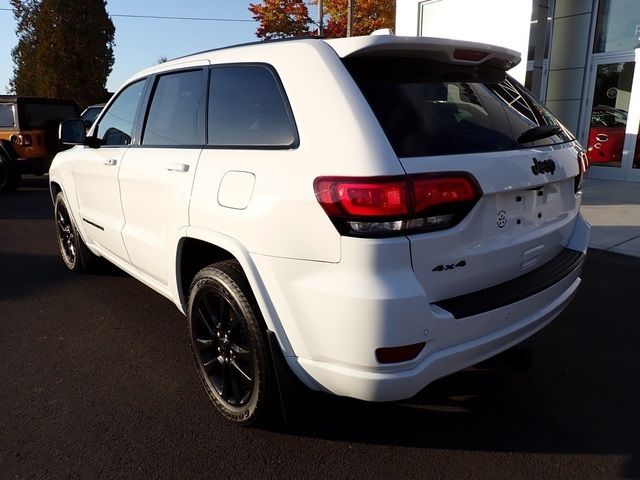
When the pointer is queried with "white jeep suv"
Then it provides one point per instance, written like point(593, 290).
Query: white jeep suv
point(377, 211)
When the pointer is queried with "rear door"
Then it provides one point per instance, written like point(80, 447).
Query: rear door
point(448, 118)
point(156, 177)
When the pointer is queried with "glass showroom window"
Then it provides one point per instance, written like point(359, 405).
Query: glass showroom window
point(618, 26)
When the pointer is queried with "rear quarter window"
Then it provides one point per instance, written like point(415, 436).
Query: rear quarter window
point(430, 108)
point(247, 108)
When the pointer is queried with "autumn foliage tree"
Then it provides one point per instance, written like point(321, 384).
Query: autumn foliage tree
point(290, 18)
point(281, 18)
point(64, 50)
point(368, 16)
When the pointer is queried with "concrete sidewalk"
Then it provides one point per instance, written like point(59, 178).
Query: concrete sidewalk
point(613, 210)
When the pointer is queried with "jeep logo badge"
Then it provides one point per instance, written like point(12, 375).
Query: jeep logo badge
point(545, 166)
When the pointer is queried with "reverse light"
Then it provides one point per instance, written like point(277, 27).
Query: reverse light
point(387, 206)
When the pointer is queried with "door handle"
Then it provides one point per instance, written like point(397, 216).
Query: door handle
point(178, 167)
point(111, 162)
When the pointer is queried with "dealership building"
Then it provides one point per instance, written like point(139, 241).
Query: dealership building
point(579, 58)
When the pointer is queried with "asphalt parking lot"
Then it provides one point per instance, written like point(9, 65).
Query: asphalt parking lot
point(97, 381)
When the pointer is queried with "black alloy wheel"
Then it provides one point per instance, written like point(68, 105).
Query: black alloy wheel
point(67, 240)
point(75, 254)
point(223, 347)
point(229, 345)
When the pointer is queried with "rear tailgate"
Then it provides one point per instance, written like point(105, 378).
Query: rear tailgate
point(521, 222)
point(450, 117)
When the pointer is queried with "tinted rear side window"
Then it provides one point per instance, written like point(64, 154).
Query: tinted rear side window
point(6, 115)
point(429, 108)
point(248, 108)
point(173, 114)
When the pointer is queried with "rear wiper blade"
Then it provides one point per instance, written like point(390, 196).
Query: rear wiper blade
point(538, 133)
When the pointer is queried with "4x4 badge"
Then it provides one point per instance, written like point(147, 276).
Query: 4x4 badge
point(545, 166)
point(451, 266)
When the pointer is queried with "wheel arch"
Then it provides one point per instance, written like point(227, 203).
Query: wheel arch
point(199, 248)
point(192, 256)
point(54, 188)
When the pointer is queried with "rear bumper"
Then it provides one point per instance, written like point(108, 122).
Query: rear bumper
point(336, 315)
point(389, 386)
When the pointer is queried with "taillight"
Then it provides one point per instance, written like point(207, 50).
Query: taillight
point(583, 166)
point(387, 206)
point(431, 191)
point(360, 197)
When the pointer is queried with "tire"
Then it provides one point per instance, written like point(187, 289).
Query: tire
point(229, 345)
point(9, 177)
point(75, 254)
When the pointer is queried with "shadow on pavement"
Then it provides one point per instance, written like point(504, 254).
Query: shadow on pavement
point(27, 203)
point(27, 275)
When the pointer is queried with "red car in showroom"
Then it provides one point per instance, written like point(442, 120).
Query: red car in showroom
point(606, 136)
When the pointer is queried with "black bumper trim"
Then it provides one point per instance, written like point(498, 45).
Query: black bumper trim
point(514, 290)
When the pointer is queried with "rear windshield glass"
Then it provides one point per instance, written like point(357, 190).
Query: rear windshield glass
point(42, 115)
point(431, 108)
point(6, 115)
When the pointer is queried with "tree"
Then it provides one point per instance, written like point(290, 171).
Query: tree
point(64, 50)
point(281, 18)
point(290, 18)
point(368, 16)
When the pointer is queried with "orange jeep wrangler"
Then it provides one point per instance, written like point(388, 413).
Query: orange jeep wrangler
point(29, 135)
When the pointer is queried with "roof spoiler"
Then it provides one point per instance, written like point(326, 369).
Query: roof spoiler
point(445, 50)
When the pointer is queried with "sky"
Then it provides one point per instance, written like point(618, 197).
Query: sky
point(140, 42)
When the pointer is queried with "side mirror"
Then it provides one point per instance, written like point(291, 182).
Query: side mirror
point(72, 132)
